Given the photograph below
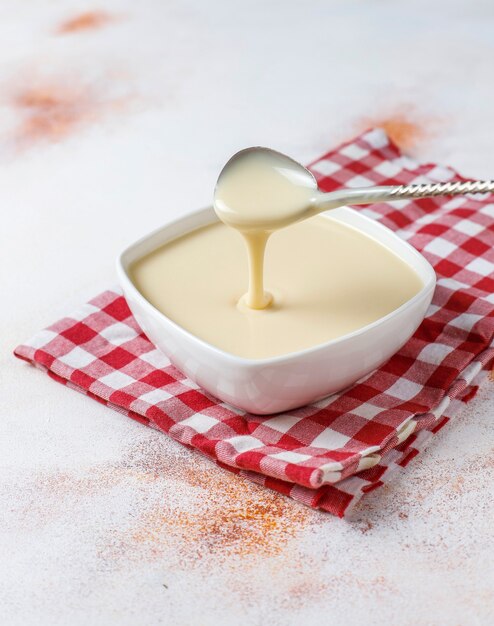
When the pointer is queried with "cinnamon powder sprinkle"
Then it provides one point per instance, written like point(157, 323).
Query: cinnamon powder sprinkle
point(90, 20)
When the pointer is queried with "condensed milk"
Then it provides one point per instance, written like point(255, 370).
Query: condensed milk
point(326, 278)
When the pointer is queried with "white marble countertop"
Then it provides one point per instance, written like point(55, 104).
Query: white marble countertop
point(116, 116)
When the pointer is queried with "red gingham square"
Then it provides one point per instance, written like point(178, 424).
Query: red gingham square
point(330, 453)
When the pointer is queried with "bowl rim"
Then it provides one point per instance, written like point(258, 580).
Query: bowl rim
point(128, 285)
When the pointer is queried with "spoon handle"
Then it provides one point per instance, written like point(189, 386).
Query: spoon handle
point(368, 195)
point(429, 190)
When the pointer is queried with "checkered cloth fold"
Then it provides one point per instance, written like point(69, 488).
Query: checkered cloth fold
point(327, 454)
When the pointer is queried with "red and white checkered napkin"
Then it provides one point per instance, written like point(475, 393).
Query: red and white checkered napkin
point(330, 453)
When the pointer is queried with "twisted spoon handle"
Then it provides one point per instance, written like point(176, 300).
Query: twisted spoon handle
point(368, 195)
point(429, 190)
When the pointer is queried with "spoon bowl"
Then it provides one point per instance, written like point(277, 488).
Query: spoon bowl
point(263, 189)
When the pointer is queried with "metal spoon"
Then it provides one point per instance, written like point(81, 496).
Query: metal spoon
point(297, 176)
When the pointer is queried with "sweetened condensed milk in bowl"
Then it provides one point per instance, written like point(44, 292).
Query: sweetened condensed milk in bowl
point(275, 305)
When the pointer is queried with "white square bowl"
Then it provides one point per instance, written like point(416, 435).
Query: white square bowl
point(275, 384)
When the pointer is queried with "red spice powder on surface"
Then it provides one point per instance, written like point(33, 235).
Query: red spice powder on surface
point(404, 128)
point(52, 111)
point(184, 508)
point(229, 514)
point(51, 108)
point(241, 523)
point(90, 20)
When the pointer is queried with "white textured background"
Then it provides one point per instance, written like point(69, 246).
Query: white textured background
point(112, 122)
